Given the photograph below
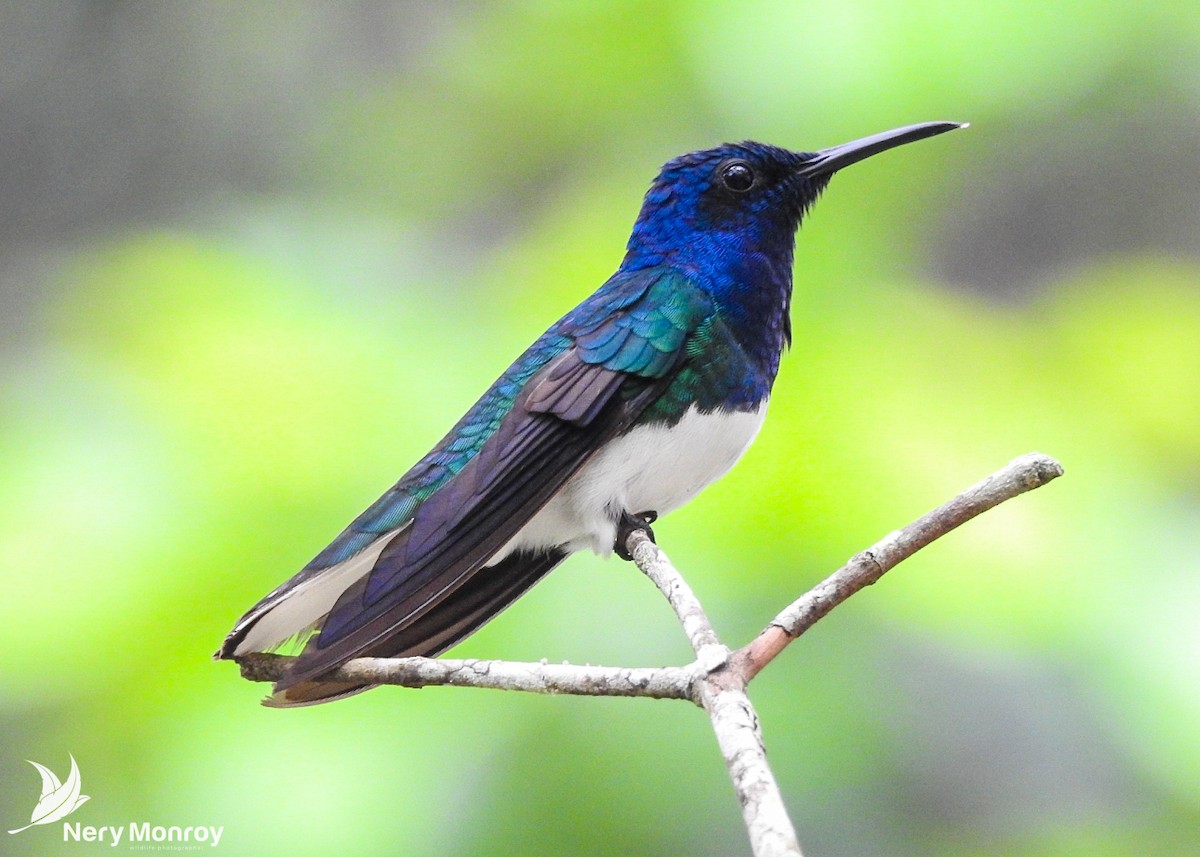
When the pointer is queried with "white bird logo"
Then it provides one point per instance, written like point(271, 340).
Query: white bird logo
point(58, 800)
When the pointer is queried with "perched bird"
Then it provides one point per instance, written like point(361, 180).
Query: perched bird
point(622, 411)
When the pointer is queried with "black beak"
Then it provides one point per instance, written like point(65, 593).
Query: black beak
point(830, 160)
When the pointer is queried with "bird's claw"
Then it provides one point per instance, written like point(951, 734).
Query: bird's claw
point(627, 525)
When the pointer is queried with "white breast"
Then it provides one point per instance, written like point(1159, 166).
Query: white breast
point(651, 469)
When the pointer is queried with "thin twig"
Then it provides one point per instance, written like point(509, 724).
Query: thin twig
point(1020, 475)
point(722, 693)
point(653, 562)
point(735, 724)
point(541, 677)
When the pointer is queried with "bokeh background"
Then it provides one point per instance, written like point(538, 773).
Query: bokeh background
point(256, 258)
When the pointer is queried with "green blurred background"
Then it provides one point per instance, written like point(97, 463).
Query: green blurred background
point(255, 259)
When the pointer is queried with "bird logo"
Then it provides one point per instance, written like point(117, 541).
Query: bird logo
point(58, 799)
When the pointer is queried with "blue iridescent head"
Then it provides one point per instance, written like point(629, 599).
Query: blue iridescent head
point(743, 197)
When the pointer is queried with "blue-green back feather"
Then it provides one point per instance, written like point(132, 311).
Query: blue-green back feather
point(637, 324)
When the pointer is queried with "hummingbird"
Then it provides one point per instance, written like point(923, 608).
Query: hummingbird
point(635, 400)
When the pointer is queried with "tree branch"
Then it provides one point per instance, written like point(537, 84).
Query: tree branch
point(717, 679)
point(541, 677)
point(1020, 475)
point(650, 558)
point(722, 693)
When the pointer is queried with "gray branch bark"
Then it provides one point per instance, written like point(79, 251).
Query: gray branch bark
point(1017, 477)
point(721, 692)
point(540, 677)
point(717, 679)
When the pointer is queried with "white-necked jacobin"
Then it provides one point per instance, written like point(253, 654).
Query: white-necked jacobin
point(623, 410)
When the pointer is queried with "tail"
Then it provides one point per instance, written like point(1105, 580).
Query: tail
point(483, 596)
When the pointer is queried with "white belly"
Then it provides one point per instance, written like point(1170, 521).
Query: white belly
point(651, 469)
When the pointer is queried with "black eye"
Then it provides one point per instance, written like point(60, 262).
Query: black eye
point(737, 176)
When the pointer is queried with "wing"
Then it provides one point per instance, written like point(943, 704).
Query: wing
point(293, 608)
point(617, 352)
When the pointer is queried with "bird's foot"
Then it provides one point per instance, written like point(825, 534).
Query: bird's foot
point(629, 524)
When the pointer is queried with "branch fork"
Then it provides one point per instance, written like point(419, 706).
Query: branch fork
point(716, 680)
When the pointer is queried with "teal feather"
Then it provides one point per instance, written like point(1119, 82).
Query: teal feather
point(638, 324)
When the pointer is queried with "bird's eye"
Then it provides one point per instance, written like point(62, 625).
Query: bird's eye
point(737, 176)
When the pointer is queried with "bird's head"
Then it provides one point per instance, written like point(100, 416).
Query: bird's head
point(712, 207)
